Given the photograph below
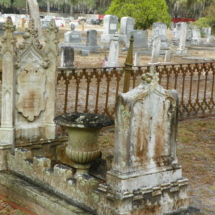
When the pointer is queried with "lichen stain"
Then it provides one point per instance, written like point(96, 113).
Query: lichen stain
point(159, 143)
point(142, 144)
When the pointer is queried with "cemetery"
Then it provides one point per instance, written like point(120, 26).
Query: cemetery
point(90, 118)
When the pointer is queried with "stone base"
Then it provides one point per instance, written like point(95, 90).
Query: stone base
point(181, 51)
point(169, 198)
point(36, 199)
point(147, 178)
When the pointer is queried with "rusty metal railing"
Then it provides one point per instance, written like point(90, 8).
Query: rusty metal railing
point(96, 89)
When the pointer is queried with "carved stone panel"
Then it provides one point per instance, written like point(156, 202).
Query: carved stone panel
point(31, 89)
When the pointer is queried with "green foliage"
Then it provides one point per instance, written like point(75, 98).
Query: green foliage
point(145, 12)
point(202, 22)
point(5, 3)
point(19, 3)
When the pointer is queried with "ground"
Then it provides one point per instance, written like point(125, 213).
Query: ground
point(196, 140)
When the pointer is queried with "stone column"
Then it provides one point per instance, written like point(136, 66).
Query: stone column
point(51, 51)
point(8, 90)
point(156, 49)
point(183, 34)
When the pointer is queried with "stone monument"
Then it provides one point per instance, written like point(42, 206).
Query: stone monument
point(126, 25)
point(160, 29)
point(113, 53)
point(110, 28)
point(145, 177)
point(28, 86)
point(196, 39)
point(72, 36)
point(140, 39)
point(156, 49)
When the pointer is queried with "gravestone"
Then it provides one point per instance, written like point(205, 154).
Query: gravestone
point(206, 31)
point(183, 33)
point(140, 39)
point(91, 38)
point(177, 32)
point(72, 36)
point(156, 49)
point(160, 29)
point(136, 59)
point(113, 53)
point(196, 39)
point(168, 56)
point(28, 86)
point(126, 25)
point(211, 40)
point(44, 23)
point(145, 176)
point(67, 56)
point(110, 28)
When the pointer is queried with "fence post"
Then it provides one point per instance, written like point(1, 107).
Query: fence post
point(128, 66)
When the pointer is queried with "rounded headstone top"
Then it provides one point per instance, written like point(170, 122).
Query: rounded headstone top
point(72, 27)
point(83, 120)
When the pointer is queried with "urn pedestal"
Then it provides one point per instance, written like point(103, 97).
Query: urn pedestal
point(83, 132)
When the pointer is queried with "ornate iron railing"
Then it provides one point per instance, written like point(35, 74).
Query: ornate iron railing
point(96, 89)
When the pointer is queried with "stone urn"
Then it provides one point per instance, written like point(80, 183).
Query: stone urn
point(83, 132)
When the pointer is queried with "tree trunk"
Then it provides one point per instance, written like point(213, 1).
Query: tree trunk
point(71, 10)
point(35, 15)
point(48, 6)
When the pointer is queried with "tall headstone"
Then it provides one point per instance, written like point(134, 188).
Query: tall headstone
point(7, 129)
point(110, 28)
point(183, 34)
point(156, 49)
point(140, 39)
point(160, 29)
point(67, 56)
point(113, 53)
point(126, 25)
point(91, 38)
point(145, 175)
point(29, 80)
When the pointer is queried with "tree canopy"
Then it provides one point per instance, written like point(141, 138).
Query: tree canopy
point(145, 12)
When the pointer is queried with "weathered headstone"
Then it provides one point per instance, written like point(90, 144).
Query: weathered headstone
point(29, 79)
point(72, 36)
point(160, 29)
point(110, 28)
point(140, 39)
point(91, 38)
point(168, 56)
point(196, 39)
point(67, 56)
point(145, 175)
point(113, 53)
point(183, 33)
point(126, 25)
point(44, 23)
point(206, 31)
point(137, 59)
point(156, 49)
point(211, 40)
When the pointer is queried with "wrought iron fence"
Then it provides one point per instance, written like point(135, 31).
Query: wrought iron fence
point(96, 89)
